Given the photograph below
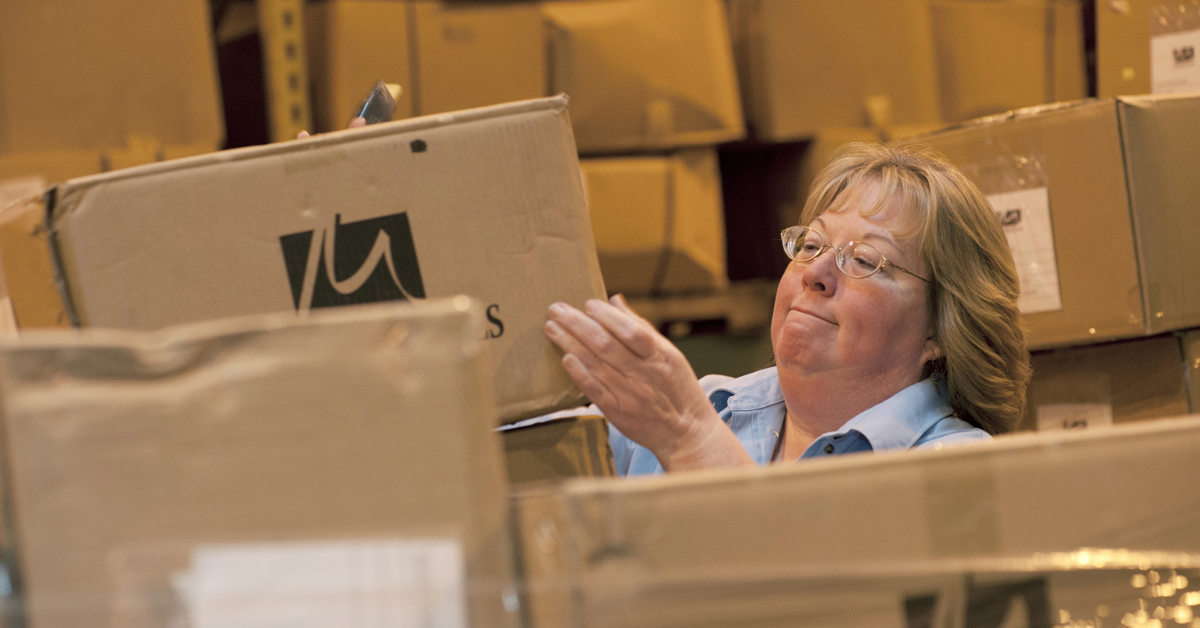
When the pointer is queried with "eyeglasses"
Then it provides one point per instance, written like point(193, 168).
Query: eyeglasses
point(855, 259)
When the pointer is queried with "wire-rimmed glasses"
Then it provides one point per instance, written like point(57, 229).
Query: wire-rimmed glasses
point(854, 259)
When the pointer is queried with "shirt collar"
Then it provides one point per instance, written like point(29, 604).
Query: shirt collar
point(900, 420)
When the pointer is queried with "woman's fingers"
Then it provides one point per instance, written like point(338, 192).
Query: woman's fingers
point(630, 329)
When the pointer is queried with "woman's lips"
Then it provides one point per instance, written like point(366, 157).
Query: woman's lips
point(814, 315)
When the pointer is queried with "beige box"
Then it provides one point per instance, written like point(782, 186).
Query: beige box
point(557, 448)
point(645, 74)
point(445, 55)
point(485, 202)
point(160, 476)
point(1123, 47)
point(997, 56)
point(637, 552)
point(1098, 385)
point(834, 63)
point(658, 222)
point(1191, 366)
point(86, 75)
point(1116, 180)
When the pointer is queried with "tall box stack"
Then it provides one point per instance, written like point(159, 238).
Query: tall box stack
point(259, 471)
point(86, 86)
point(788, 546)
point(657, 77)
point(485, 202)
point(1098, 200)
point(1147, 46)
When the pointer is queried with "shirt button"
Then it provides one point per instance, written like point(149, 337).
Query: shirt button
point(829, 448)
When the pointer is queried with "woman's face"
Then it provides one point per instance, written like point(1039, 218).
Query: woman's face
point(873, 329)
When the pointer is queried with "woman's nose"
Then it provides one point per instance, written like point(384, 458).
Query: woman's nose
point(821, 274)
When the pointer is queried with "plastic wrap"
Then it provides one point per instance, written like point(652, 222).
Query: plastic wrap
point(271, 470)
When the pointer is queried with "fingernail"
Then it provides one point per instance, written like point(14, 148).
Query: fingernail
point(557, 307)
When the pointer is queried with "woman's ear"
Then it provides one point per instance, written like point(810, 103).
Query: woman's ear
point(931, 351)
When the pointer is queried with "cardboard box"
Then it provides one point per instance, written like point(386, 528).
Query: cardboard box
point(446, 55)
point(145, 466)
point(658, 222)
point(558, 448)
point(598, 553)
point(1191, 366)
point(33, 295)
point(997, 56)
point(1099, 197)
point(1147, 46)
point(645, 74)
point(1092, 386)
point(86, 75)
point(486, 202)
point(834, 63)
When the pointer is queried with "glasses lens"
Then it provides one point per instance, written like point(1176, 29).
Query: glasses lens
point(858, 259)
point(802, 244)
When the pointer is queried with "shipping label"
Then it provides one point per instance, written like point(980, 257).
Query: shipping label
point(1025, 216)
point(395, 583)
point(1071, 416)
point(1173, 65)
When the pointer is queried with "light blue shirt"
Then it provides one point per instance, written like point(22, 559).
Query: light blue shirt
point(752, 406)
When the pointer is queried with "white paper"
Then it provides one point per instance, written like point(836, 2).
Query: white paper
point(411, 583)
point(1174, 68)
point(1025, 215)
point(1072, 416)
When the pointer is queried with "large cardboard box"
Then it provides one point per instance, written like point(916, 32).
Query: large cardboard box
point(1098, 385)
point(658, 222)
point(598, 553)
point(1098, 198)
point(445, 55)
point(1191, 366)
point(997, 56)
point(1147, 46)
point(32, 293)
point(86, 74)
point(645, 74)
point(486, 202)
point(557, 447)
point(834, 63)
point(163, 476)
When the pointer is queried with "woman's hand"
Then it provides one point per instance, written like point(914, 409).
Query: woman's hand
point(643, 384)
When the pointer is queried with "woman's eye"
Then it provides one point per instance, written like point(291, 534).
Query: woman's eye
point(809, 247)
point(864, 262)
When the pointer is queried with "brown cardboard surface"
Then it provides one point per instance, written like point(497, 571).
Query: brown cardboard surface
point(834, 63)
point(352, 44)
point(557, 449)
point(477, 54)
point(1123, 47)
point(1191, 366)
point(645, 74)
point(593, 549)
point(1161, 135)
point(489, 202)
point(127, 451)
point(658, 222)
point(1078, 151)
point(85, 74)
point(28, 271)
point(54, 166)
point(1133, 380)
point(998, 56)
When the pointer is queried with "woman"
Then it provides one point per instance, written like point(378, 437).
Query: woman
point(895, 326)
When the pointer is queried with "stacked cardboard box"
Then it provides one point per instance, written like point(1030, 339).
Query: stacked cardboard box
point(1097, 199)
point(746, 547)
point(1147, 46)
point(92, 86)
point(257, 471)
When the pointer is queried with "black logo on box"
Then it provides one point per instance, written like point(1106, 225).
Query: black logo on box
point(1009, 218)
point(1184, 55)
point(357, 262)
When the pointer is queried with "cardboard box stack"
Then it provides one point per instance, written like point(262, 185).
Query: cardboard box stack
point(1147, 47)
point(261, 470)
point(1097, 199)
point(93, 86)
point(798, 545)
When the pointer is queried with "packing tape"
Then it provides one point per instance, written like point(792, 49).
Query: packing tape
point(962, 507)
point(60, 273)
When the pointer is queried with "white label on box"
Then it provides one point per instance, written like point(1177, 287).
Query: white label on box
point(1071, 416)
point(1025, 215)
point(416, 583)
point(1173, 65)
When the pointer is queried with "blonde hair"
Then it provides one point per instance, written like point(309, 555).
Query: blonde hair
point(984, 369)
